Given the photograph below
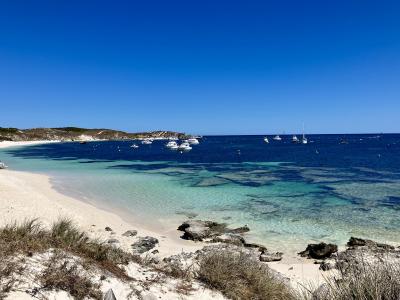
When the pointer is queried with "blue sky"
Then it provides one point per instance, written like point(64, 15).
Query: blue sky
point(206, 67)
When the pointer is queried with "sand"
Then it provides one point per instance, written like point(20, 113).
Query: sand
point(26, 195)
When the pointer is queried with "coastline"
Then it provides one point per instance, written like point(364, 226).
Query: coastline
point(7, 144)
point(28, 195)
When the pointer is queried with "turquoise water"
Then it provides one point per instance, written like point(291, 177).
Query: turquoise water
point(289, 195)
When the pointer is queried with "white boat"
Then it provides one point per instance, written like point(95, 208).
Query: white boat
point(147, 141)
point(185, 146)
point(193, 141)
point(266, 140)
point(304, 139)
point(3, 165)
point(172, 145)
point(295, 139)
point(277, 138)
point(134, 146)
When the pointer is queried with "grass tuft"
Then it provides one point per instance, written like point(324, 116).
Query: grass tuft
point(30, 237)
point(363, 280)
point(62, 274)
point(238, 276)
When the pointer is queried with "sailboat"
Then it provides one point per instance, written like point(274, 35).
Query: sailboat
point(266, 140)
point(304, 139)
point(295, 139)
point(277, 138)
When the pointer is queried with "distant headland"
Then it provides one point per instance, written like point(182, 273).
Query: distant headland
point(80, 134)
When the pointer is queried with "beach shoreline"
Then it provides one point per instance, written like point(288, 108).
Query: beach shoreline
point(27, 195)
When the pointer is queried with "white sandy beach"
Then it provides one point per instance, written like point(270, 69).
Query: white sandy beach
point(6, 144)
point(26, 196)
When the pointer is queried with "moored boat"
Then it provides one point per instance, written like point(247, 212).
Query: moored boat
point(147, 141)
point(193, 141)
point(185, 146)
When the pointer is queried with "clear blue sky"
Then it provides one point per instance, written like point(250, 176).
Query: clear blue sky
point(207, 67)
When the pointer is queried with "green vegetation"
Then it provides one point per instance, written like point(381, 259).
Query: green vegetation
point(61, 274)
point(9, 130)
point(73, 259)
point(71, 129)
point(30, 237)
point(363, 281)
point(238, 276)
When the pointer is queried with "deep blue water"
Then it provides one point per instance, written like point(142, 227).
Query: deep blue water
point(325, 190)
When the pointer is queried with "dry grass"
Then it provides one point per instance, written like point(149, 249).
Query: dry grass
point(30, 237)
point(364, 281)
point(237, 276)
point(63, 274)
point(10, 270)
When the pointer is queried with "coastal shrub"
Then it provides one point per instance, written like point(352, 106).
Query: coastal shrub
point(63, 274)
point(363, 280)
point(30, 237)
point(27, 237)
point(10, 270)
point(238, 276)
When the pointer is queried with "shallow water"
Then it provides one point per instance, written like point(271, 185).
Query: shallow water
point(289, 194)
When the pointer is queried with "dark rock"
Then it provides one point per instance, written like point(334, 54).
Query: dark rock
point(130, 233)
point(358, 242)
point(155, 251)
point(112, 241)
point(144, 244)
point(256, 246)
point(319, 251)
point(198, 230)
point(108, 229)
point(109, 295)
point(229, 238)
point(242, 229)
point(268, 257)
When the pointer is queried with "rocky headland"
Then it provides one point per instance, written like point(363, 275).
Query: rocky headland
point(79, 134)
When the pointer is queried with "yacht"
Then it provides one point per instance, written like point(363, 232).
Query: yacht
point(185, 146)
point(193, 141)
point(172, 145)
point(147, 141)
point(3, 165)
point(266, 140)
point(304, 139)
point(295, 139)
point(134, 146)
point(277, 138)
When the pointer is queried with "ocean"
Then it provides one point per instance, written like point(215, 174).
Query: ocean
point(289, 195)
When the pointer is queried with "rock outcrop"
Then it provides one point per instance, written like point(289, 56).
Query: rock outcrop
point(213, 232)
point(319, 251)
point(130, 233)
point(144, 244)
point(198, 230)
